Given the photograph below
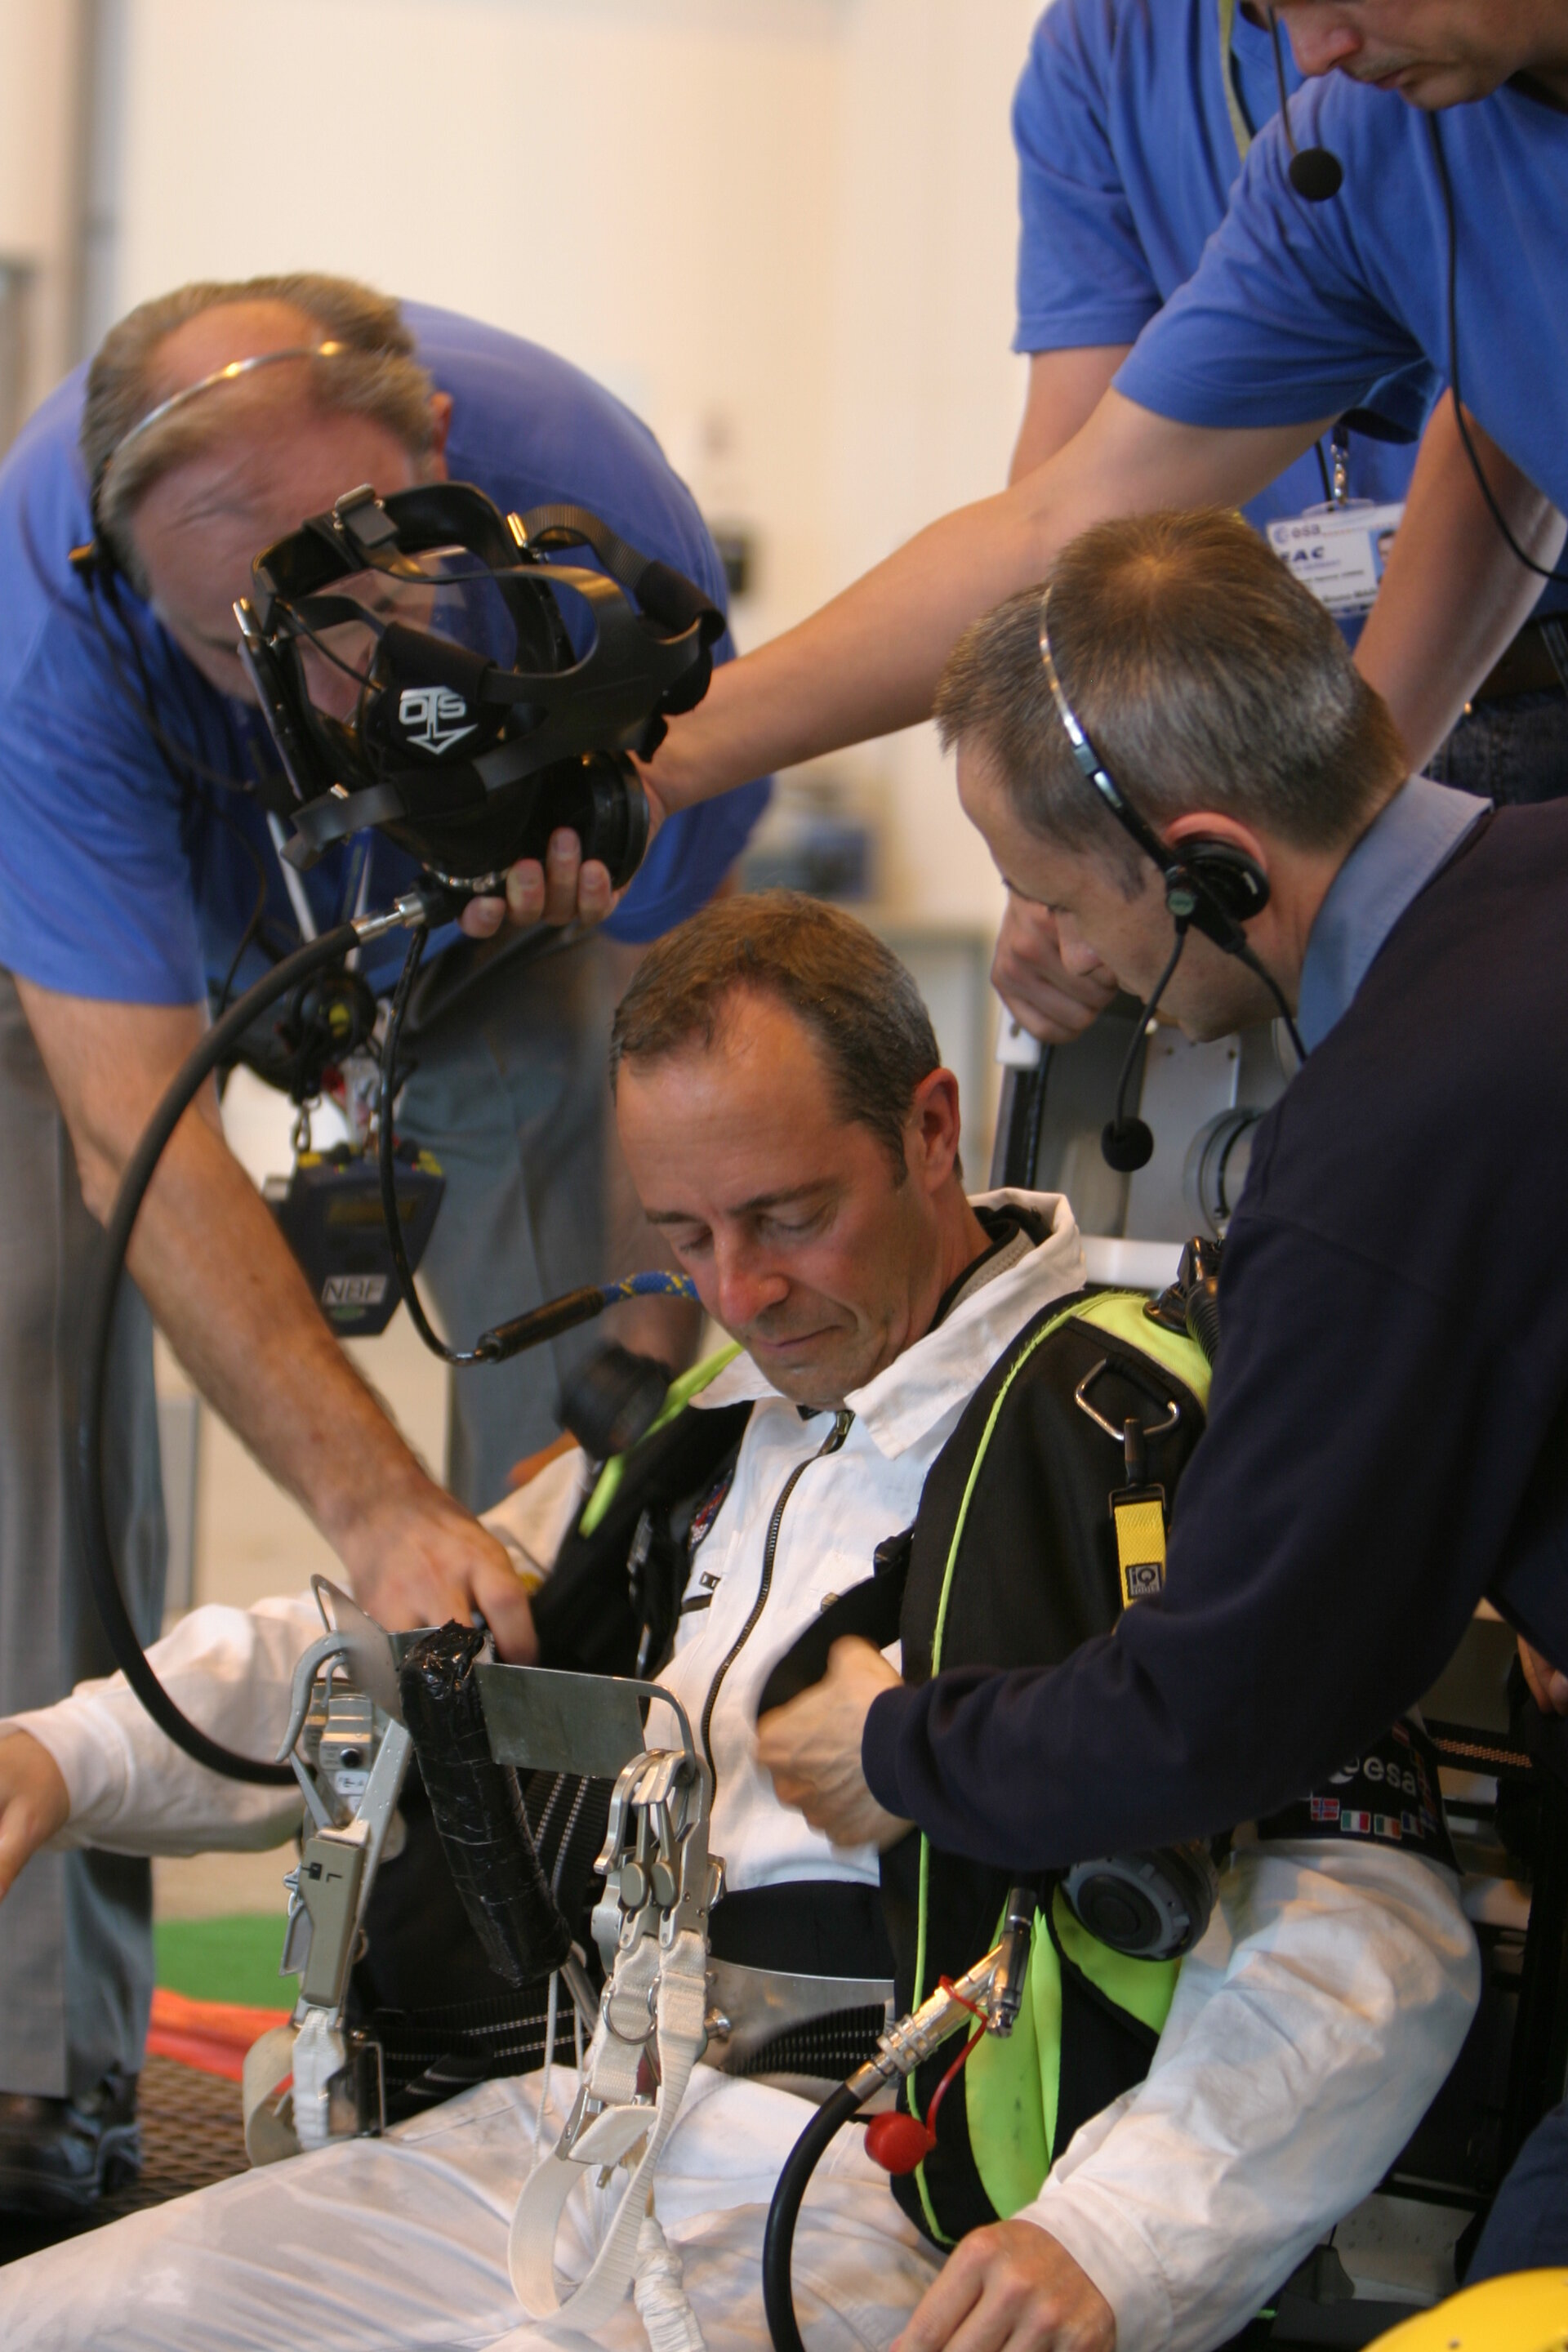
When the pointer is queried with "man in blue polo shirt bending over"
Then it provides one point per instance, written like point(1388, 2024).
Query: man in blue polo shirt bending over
point(140, 886)
point(1132, 121)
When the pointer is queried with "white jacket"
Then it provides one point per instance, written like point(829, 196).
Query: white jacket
point(1311, 2028)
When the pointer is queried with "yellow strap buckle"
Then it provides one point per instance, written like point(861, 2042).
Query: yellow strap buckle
point(1138, 1515)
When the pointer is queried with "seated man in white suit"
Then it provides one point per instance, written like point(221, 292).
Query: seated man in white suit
point(787, 1122)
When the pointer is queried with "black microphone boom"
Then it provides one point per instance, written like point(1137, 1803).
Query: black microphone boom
point(1126, 1143)
point(1314, 172)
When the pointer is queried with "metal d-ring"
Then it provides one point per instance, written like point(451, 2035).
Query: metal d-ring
point(1154, 1428)
point(633, 2041)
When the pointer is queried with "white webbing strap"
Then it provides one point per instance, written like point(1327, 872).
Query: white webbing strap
point(268, 2066)
point(676, 1980)
point(662, 2302)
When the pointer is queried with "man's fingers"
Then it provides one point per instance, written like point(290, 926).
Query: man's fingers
point(997, 2312)
point(1011, 2288)
point(775, 1743)
point(501, 1601)
point(482, 918)
point(786, 1791)
point(1048, 1015)
point(800, 1795)
point(944, 2305)
point(525, 891)
point(1029, 973)
point(16, 1846)
point(566, 888)
point(34, 1802)
point(1548, 1687)
point(562, 865)
point(595, 897)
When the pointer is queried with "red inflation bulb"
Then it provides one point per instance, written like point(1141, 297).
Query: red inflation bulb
point(899, 2143)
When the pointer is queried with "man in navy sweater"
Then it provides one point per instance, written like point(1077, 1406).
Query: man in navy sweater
point(1388, 1440)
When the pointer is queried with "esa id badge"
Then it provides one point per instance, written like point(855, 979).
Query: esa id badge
point(1338, 553)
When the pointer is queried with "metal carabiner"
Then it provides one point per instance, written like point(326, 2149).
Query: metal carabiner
point(1151, 1429)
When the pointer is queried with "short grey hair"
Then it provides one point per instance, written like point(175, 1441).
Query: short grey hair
point(1204, 676)
point(374, 373)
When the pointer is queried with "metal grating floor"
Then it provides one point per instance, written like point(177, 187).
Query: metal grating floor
point(190, 2135)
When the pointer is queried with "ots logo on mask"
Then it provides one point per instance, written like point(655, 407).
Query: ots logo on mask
point(426, 713)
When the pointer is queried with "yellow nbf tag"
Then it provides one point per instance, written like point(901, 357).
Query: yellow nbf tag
point(1138, 1515)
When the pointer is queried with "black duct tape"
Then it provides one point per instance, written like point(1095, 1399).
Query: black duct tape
point(478, 1810)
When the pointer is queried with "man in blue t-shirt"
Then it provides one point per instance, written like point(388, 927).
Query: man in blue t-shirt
point(139, 885)
point(1131, 121)
point(1295, 314)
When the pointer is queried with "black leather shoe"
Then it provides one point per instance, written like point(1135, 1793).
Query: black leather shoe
point(57, 2157)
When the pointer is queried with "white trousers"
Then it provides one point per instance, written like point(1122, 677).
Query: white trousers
point(400, 2244)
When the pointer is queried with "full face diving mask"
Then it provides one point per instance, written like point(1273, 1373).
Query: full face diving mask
point(423, 668)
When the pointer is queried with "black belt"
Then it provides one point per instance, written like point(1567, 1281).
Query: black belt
point(431, 2054)
point(1535, 663)
point(828, 2050)
point(812, 1928)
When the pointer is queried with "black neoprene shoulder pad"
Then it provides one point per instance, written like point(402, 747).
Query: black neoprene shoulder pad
point(583, 1612)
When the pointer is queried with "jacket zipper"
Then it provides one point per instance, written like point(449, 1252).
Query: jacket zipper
point(830, 1445)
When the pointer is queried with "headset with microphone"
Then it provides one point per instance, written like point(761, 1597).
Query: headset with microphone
point(1211, 885)
point(1315, 173)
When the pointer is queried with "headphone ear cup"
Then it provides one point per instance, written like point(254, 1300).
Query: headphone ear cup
point(1229, 885)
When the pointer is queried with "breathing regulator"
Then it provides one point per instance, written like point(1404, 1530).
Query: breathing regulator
point(425, 668)
point(433, 671)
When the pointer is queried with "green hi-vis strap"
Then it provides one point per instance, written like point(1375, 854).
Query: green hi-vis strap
point(1121, 1315)
point(1011, 2087)
point(677, 1397)
point(1238, 121)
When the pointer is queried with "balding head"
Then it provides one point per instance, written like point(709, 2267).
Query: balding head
point(185, 498)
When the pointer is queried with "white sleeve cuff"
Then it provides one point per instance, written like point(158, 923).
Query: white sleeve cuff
point(91, 1761)
point(132, 1789)
point(1089, 2223)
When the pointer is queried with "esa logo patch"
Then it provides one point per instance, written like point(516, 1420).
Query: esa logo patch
point(1389, 1794)
point(428, 715)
